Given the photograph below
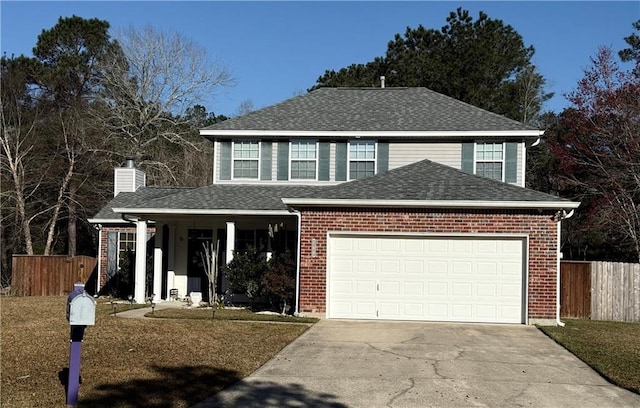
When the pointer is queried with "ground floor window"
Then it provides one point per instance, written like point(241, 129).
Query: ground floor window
point(126, 242)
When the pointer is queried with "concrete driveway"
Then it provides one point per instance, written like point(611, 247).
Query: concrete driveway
point(340, 363)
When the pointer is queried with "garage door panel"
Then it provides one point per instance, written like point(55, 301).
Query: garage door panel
point(363, 309)
point(464, 268)
point(389, 288)
point(487, 312)
point(413, 266)
point(487, 268)
point(390, 245)
point(364, 266)
point(390, 266)
point(461, 311)
point(414, 288)
point(487, 289)
point(438, 268)
point(365, 287)
point(461, 289)
point(433, 278)
point(340, 287)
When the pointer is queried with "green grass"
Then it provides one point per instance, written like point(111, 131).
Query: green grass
point(611, 348)
point(127, 362)
point(226, 314)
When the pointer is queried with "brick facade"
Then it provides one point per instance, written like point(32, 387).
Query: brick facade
point(539, 226)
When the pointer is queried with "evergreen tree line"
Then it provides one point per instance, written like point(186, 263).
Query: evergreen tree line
point(88, 98)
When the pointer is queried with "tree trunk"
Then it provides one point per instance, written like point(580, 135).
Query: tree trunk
point(72, 227)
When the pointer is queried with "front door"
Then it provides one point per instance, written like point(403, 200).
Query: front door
point(196, 276)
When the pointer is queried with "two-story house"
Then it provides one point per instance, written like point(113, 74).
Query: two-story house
point(399, 203)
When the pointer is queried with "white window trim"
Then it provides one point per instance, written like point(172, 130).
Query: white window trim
point(291, 160)
point(233, 159)
point(476, 161)
point(120, 240)
point(374, 160)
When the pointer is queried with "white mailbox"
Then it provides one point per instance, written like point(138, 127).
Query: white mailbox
point(81, 307)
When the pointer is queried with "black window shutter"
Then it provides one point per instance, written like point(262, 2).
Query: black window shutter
point(283, 160)
point(467, 158)
point(383, 157)
point(265, 160)
point(511, 162)
point(323, 161)
point(225, 161)
point(341, 161)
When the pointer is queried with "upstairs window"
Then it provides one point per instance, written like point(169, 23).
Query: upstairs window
point(246, 156)
point(304, 160)
point(490, 160)
point(362, 159)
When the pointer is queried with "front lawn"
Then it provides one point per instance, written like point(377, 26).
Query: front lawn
point(611, 348)
point(127, 362)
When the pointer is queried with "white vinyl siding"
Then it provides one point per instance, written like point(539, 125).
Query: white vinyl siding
point(401, 154)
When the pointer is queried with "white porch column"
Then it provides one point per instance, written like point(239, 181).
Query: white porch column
point(157, 264)
point(171, 272)
point(231, 240)
point(141, 262)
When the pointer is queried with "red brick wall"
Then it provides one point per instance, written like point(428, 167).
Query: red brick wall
point(541, 229)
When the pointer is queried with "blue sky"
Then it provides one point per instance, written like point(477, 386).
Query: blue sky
point(279, 49)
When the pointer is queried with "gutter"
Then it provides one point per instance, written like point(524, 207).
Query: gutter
point(509, 134)
point(471, 204)
point(190, 211)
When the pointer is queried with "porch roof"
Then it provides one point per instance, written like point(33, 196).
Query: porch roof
point(421, 184)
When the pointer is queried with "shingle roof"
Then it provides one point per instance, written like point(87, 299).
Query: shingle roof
point(427, 180)
point(371, 109)
point(231, 197)
point(421, 181)
point(135, 199)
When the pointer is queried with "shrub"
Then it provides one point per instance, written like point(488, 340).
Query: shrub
point(245, 273)
point(279, 280)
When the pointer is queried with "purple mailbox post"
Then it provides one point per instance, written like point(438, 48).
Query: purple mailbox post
point(81, 312)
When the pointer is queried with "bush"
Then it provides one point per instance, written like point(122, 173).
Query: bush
point(279, 280)
point(245, 273)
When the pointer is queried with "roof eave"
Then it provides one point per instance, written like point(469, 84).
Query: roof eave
point(106, 221)
point(465, 204)
point(516, 134)
point(192, 211)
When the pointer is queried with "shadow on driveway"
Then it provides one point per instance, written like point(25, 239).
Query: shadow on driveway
point(270, 394)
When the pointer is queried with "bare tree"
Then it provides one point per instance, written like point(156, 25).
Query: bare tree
point(598, 154)
point(16, 140)
point(148, 89)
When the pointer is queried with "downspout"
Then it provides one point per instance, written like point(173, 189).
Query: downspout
point(296, 311)
point(562, 215)
point(99, 228)
point(558, 256)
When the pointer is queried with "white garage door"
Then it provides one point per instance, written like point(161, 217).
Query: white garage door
point(418, 278)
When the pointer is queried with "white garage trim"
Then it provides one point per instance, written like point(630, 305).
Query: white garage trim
point(396, 288)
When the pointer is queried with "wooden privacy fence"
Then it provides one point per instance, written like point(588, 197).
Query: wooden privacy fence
point(600, 290)
point(54, 275)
